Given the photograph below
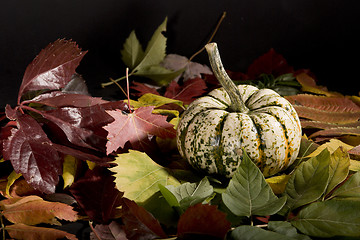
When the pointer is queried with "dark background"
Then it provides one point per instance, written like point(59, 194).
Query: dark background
point(320, 35)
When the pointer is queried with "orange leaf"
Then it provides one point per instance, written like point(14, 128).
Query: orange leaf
point(309, 85)
point(32, 210)
point(21, 231)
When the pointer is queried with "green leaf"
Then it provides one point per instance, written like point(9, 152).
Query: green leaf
point(250, 232)
point(132, 53)
point(160, 75)
point(286, 229)
point(249, 194)
point(138, 176)
point(155, 51)
point(350, 189)
point(188, 194)
point(329, 218)
point(338, 169)
point(308, 182)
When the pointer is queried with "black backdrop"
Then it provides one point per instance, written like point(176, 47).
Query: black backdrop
point(321, 35)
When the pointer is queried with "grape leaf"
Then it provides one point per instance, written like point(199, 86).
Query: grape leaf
point(96, 195)
point(286, 229)
point(31, 154)
point(138, 176)
point(349, 189)
point(249, 194)
point(338, 168)
point(52, 68)
point(252, 232)
point(136, 127)
point(132, 53)
point(21, 231)
point(139, 223)
point(308, 182)
point(32, 210)
point(329, 218)
point(188, 194)
point(203, 219)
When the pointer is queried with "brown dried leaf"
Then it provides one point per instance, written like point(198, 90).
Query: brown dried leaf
point(335, 132)
point(326, 125)
point(21, 231)
point(309, 85)
point(32, 210)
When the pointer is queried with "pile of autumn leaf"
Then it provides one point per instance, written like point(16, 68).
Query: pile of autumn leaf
point(121, 172)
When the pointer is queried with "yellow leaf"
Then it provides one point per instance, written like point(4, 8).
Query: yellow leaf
point(332, 145)
point(69, 170)
point(278, 183)
point(138, 176)
point(150, 99)
point(354, 165)
point(91, 165)
point(11, 179)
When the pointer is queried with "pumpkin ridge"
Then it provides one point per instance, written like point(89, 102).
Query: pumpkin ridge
point(260, 162)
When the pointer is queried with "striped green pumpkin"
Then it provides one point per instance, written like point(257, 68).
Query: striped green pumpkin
point(215, 129)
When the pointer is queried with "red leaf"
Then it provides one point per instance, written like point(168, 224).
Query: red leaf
point(136, 127)
point(269, 63)
point(139, 223)
point(52, 68)
point(186, 93)
point(62, 99)
point(31, 154)
point(203, 219)
point(143, 89)
point(97, 196)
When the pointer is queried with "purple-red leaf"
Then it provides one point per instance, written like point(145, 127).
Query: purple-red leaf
point(97, 196)
point(52, 68)
point(31, 154)
point(136, 127)
point(139, 223)
point(203, 219)
point(186, 93)
point(63, 99)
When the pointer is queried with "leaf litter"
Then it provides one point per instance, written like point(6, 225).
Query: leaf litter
point(113, 150)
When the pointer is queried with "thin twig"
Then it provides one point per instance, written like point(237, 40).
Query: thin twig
point(128, 88)
point(211, 37)
point(94, 231)
point(117, 84)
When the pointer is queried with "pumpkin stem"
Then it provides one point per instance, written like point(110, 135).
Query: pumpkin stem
point(237, 105)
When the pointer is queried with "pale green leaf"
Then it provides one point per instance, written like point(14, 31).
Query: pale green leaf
point(132, 53)
point(329, 218)
point(155, 51)
point(246, 232)
point(338, 169)
point(69, 170)
point(160, 75)
point(189, 194)
point(350, 189)
point(286, 229)
point(308, 182)
point(138, 176)
point(248, 193)
point(11, 179)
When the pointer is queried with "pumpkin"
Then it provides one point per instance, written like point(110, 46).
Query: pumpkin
point(215, 129)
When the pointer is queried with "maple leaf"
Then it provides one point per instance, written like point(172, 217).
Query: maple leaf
point(52, 68)
point(31, 154)
point(96, 194)
point(186, 93)
point(269, 63)
point(136, 127)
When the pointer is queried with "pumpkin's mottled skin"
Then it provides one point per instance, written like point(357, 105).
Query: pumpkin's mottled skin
point(212, 138)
